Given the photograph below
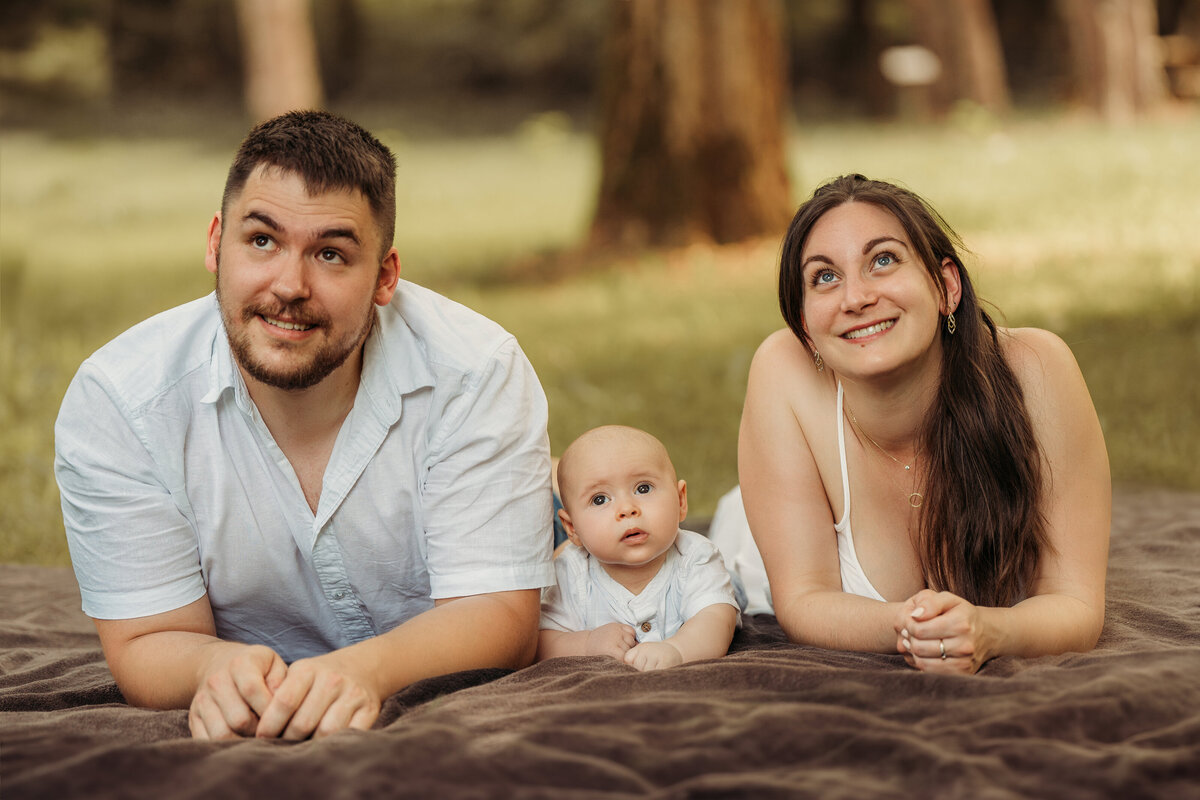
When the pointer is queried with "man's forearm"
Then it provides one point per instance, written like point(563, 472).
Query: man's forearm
point(475, 632)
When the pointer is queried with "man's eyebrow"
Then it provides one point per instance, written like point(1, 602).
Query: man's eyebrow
point(259, 216)
point(339, 233)
point(329, 233)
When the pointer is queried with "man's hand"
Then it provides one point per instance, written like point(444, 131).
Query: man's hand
point(614, 639)
point(653, 655)
point(234, 691)
point(320, 696)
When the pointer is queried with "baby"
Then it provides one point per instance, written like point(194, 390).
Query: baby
point(631, 584)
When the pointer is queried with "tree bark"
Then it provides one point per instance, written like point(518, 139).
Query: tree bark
point(1117, 63)
point(691, 139)
point(280, 53)
point(963, 35)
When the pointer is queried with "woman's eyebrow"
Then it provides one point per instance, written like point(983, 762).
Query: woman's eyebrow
point(871, 245)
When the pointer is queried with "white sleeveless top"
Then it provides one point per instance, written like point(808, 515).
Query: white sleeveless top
point(854, 580)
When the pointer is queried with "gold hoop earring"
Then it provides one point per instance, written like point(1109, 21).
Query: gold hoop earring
point(951, 325)
point(820, 362)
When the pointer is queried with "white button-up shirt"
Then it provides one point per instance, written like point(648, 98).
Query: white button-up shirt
point(691, 578)
point(438, 485)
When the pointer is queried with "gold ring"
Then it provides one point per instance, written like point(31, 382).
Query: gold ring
point(942, 647)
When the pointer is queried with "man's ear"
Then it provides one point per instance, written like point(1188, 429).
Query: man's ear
point(565, 518)
point(953, 283)
point(212, 254)
point(682, 500)
point(389, 275)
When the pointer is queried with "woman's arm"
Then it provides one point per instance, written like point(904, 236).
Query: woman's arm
point(787, 507)
point(1065, 607)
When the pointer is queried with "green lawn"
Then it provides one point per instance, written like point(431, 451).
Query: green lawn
point(1085, 230)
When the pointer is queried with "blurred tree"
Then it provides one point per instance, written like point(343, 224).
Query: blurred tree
point(1115, 51)
point(280, 55)
point(963, 35)
point(691, 129)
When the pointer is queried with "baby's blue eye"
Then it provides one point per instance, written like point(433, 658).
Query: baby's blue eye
point(643, 488)
point(599, 500)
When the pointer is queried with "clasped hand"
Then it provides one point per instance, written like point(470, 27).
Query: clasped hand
point(941, 632)
point(619, 641)
point(247, 690)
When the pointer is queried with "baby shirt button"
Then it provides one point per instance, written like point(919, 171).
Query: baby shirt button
point(646, 626)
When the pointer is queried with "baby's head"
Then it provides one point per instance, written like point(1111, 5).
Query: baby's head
point(621, 499)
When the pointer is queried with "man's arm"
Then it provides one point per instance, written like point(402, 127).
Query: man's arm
point(344, 688)
point(175, 660)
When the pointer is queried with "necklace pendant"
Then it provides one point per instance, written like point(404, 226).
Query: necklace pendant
point(916, 499)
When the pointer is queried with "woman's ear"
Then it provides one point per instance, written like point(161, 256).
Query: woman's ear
point(953, 283)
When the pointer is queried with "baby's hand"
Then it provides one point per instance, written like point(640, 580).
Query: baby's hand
point(613, 639)
point(653, 655)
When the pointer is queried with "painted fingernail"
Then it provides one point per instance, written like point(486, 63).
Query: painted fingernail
point(904, 633)
point(918, 611)
point(907, 644)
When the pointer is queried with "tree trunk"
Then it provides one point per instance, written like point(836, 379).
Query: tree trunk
point(963, 35)
point(692, 140)
point(280, 54)
point(1114, 48)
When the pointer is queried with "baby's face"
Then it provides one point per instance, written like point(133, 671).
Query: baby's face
point(623, 502)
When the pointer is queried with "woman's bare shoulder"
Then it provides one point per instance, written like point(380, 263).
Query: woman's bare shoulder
point(1037, 354)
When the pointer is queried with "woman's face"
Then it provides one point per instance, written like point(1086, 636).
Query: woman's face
point(871, 307)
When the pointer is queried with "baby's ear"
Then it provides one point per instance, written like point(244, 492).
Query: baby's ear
point(565, 518)
point(682, 500)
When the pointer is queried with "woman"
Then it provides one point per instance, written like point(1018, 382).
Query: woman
point(917, 479)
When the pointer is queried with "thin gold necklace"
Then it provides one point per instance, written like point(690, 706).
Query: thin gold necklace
point(915, 499)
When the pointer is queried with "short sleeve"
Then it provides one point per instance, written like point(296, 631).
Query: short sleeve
point(487, 504)
point(560, 609)
point(134, 552)
point(706, 582)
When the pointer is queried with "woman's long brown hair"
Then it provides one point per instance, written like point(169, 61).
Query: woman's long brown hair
point(981, 531)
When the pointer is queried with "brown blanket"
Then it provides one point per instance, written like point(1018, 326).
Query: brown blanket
point(771, 719)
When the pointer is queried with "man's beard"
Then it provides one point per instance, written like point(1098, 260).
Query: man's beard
point(327, 358)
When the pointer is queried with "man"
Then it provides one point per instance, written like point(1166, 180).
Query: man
point(292, 498)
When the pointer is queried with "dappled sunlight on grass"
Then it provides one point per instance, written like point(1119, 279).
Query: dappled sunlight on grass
point(1085, 230)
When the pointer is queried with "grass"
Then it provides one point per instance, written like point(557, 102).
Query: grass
point(1082, 229)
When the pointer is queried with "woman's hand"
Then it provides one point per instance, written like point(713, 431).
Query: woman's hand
point(941, 632)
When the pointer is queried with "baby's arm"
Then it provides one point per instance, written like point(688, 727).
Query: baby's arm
point(613, 639)
point(706, 635)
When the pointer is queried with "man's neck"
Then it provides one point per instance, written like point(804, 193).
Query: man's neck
point(305, 423)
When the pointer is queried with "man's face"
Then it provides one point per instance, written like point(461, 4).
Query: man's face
point(298, 277)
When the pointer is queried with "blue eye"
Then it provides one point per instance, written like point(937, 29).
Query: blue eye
point(599, 500)
point(884, 260)
point(823, 277)
point(643, 488)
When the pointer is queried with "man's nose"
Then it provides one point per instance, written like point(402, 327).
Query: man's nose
point(291, 278)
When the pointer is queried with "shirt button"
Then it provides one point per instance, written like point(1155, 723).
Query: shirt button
point(338, 595)
point(646, 626)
